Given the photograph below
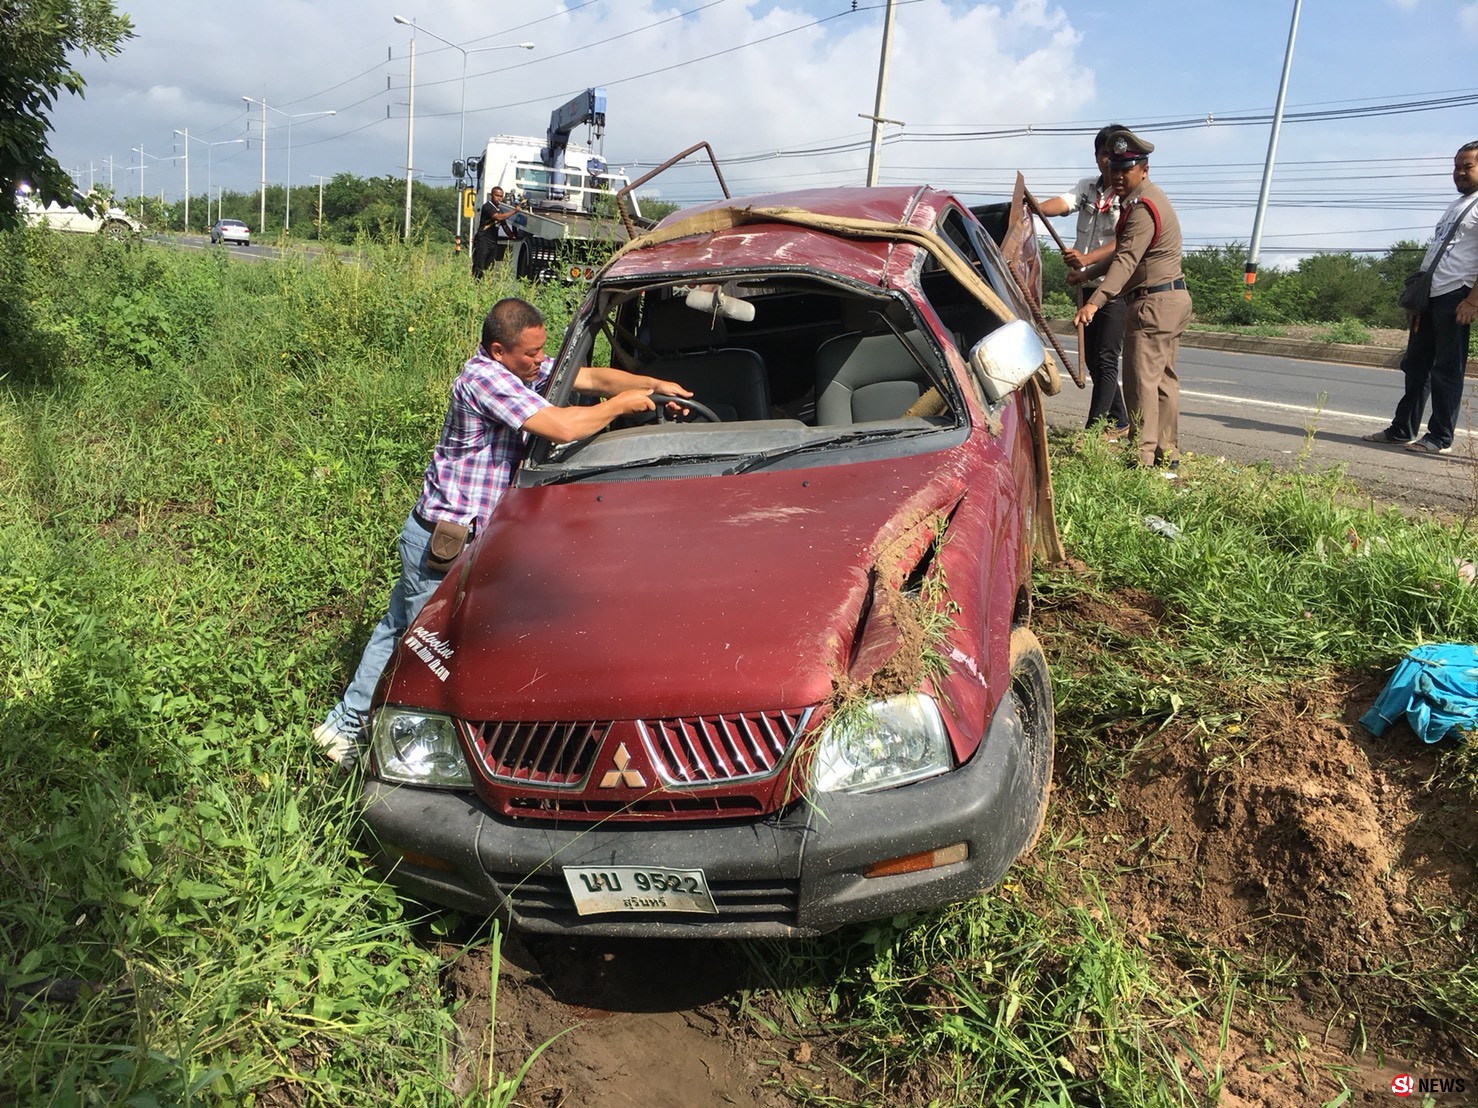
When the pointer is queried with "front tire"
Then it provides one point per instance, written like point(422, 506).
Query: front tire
point(1031, 686)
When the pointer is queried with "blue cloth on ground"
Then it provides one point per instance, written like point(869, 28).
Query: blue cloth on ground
point(1436, 686)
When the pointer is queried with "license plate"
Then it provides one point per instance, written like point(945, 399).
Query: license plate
point(599, 890)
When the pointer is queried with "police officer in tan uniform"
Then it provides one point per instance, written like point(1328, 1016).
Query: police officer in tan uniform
point(1145, 271)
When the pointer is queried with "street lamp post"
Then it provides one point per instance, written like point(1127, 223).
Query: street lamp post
point(186, 133)
point(139, 150)
point(209, 148)
point(1249, 275)
point(462, 125)
point(287, 217)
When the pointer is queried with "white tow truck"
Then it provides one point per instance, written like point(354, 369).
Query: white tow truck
point(567, 222)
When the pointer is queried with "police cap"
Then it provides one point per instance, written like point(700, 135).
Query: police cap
point(1125, 148)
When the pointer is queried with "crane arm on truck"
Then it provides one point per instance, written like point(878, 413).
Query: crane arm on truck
point(589, 107)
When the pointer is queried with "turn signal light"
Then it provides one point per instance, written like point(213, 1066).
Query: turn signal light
point(917, 863)
point(426, 861)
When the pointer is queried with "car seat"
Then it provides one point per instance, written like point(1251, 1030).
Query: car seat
point(860, 378)
point(731, 381)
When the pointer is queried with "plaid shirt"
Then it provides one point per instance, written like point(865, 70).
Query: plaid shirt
point(481, 443)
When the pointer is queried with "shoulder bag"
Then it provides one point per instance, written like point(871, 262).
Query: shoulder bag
point(1418, 291)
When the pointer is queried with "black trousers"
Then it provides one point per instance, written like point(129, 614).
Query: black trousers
point(1435, 360)
point(487, 248)
point(1103, 342)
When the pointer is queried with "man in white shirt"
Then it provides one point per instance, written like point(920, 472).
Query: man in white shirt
point(1437, 343)
point(1097, 205)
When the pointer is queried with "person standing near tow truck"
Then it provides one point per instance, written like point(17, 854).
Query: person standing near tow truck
point(492, 236)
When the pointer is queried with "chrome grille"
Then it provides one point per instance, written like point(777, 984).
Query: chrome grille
point(705, 750)
point(554, 755)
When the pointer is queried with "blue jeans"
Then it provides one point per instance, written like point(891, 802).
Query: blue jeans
point(416, 584)
point(1436, 356)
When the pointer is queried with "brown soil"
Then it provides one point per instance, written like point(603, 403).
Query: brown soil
point(1394, 337)
point(1286, 835)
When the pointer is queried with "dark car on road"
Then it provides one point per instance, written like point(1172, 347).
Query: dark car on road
point(765, 669)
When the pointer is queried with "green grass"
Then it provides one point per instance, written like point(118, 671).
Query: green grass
point(203, 465)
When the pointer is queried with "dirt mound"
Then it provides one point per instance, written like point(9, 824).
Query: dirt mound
point(1288, 832)
point(1287, 826)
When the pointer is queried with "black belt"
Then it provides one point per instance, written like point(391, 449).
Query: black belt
point(430, 524)
point(1168, 286)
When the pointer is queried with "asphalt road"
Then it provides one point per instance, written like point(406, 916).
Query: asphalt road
point(1253, 407)
point(187, 241)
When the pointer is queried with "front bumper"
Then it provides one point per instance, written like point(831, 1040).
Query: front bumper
point(793, 874)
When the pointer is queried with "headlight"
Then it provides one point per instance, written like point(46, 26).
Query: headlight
point(419, 748)
point(890, 742)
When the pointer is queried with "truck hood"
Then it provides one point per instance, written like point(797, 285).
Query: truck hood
point(676, 597)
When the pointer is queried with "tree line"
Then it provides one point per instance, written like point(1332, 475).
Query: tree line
point(1321, 288)
point(344, 208)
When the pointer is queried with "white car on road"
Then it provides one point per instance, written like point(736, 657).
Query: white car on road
point(230, 230)
point(107, 219)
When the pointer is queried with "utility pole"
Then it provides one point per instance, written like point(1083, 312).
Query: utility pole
point(877, 110)
point(139, 150)
point(1267, 170)
point(186, 133)
point(410, 127)
point(262, 218)
point(462, 126)
point(320, 204)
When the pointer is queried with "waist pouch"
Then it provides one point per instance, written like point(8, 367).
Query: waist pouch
point(448, 540)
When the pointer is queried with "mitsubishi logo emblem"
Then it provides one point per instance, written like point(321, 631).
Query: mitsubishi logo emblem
point(621, 775)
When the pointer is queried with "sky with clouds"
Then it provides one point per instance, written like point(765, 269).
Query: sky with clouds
point(1380, 95)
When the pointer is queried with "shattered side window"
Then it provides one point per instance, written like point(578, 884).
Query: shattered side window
point(957, 306)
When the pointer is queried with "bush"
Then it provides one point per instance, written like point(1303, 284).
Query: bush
point(1350, 331)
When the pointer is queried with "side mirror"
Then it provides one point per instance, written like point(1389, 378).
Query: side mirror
point(1007, 358)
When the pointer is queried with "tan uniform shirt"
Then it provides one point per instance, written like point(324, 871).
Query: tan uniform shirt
point(1142, 258)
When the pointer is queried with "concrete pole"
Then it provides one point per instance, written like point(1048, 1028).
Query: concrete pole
point(410, 133)
point(287, 215)
point(262, 216)
point(877, 110)
point(320, 204)
point(139, 150)
point(1267, 170)
point(186, 133)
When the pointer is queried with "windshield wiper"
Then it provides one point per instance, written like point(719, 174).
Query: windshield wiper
point(851, 438)
point(574, 475)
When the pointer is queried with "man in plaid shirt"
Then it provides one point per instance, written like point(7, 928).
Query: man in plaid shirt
point(496, 398)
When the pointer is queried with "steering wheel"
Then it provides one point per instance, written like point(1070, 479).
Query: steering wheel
point(702, 411)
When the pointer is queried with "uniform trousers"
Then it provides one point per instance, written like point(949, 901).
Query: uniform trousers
point(1151, 388)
